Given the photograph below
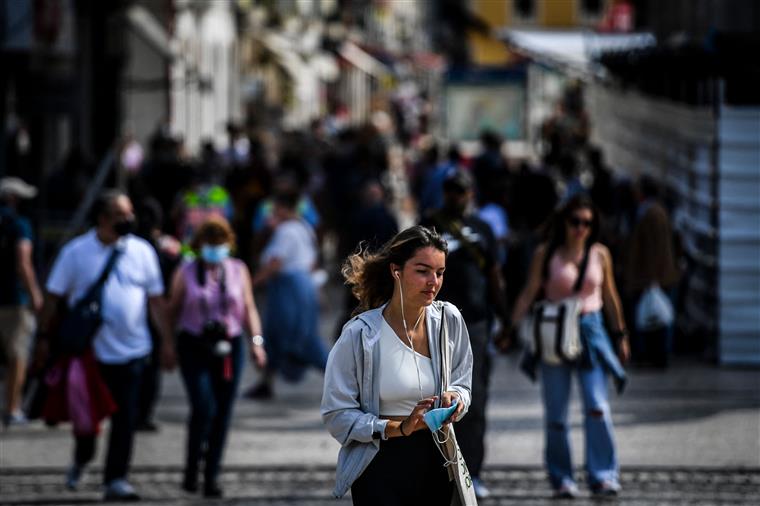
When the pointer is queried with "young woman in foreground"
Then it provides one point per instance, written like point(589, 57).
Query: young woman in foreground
point(384, 372)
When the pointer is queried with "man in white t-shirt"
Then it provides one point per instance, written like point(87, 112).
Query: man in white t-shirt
point(122, 345)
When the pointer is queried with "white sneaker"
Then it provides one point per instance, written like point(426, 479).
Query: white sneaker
point(568, 490)
point(481, 491)
point(606, 488)
point(120, 490)
point(14, 419)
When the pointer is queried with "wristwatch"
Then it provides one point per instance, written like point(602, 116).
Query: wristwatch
point(257, 340)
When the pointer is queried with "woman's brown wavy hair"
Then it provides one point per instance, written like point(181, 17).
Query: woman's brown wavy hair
point(368, 273)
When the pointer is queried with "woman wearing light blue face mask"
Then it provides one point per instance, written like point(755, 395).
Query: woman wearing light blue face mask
point(385, 373)
point(212, 307)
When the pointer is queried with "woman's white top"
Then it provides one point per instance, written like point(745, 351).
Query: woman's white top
point(399, 387)
point(294, 244)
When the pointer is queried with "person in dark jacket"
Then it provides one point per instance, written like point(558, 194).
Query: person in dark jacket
point(475, 285)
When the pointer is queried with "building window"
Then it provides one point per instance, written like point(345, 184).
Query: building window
point(525, 8)
point(593, 7)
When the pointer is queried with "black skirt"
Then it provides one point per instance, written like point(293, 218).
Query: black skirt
point(406, 470)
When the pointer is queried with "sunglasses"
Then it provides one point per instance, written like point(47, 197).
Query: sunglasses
point(578, 222)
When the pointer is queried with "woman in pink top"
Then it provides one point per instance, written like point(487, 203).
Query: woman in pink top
point(554, 272)
point(212, 307)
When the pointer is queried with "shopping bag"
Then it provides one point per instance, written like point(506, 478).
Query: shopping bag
point(654, 310)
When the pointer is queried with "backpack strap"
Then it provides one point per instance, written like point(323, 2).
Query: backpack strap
point(455, 228)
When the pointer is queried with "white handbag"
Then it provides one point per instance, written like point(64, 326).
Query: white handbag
point(455, 464)
point(552, 329)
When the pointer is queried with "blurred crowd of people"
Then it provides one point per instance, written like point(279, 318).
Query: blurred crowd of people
point(287, 204)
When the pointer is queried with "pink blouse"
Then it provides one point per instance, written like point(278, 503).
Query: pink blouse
point(562, 277)
point(193, 315)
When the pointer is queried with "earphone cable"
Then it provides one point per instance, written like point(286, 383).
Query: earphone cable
point(447, 462)
point(409, 338)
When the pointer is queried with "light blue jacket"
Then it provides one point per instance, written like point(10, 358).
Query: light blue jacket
point(351, 397)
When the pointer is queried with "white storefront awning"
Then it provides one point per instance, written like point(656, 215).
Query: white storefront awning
point(573, 51)
point(319, 63)
point(362, 60)
point(149, 28)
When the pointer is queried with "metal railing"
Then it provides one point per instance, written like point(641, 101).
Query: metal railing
point(106, 165)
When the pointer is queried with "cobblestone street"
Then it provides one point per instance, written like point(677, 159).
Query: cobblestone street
point(312, 486)
point(690, 435)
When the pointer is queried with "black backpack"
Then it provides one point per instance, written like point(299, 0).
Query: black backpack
point(9, 279)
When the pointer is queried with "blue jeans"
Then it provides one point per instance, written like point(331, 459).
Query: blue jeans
point(601, 458)
point(211, 401)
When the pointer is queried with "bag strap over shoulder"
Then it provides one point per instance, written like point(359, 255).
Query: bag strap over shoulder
point(200, 273)
point(582, 270)
point(443, 337)
point(110, 264)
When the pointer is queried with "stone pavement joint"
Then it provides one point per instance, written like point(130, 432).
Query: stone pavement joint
point(312, 485)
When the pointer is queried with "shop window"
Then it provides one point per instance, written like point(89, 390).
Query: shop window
point(592, 7)
point(525, 8)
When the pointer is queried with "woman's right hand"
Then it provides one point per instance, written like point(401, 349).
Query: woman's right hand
point(532, 287)
point(415, 421)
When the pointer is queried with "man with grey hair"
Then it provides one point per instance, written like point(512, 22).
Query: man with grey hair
point(19, 292)
point(122, 345)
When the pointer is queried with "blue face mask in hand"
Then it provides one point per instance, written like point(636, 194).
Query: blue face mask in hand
point(435, 417)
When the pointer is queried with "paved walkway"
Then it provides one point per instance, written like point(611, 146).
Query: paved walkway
point(690, 434)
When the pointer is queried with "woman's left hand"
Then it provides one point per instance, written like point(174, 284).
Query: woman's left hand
point(447, 400)
point(259, 356)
